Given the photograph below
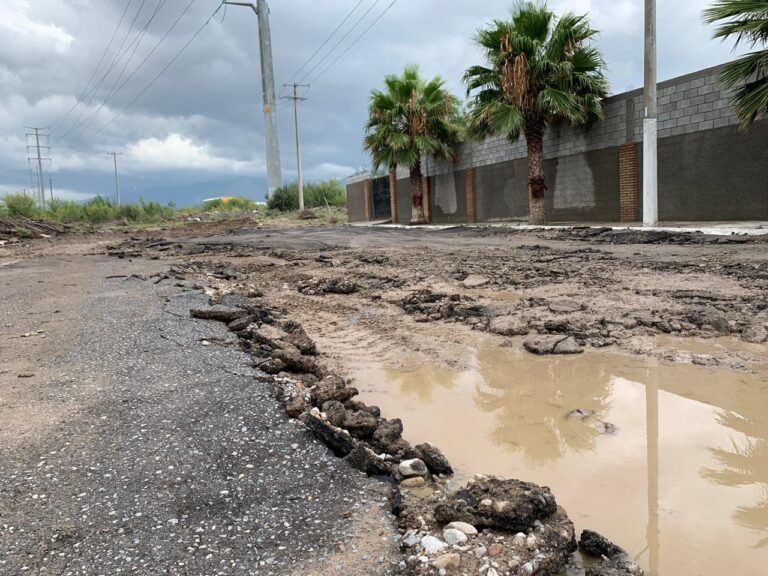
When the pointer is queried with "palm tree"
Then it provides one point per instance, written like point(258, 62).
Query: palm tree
point(541, 70)
point(747, 21)
point(409, 118)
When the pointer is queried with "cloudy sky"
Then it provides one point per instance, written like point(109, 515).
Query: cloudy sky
point(198, 131)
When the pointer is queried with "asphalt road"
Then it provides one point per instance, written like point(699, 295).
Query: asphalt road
point(128, 446)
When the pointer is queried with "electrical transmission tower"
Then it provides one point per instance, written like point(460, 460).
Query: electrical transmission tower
point(296, 99)
point(34, 154)
point(274, 177)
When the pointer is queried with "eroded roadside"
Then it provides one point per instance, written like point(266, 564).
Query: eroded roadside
point(366, 299)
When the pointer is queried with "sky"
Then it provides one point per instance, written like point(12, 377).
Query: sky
point(197, 132)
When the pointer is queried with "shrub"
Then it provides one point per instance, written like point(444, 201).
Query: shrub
point(316, 195)
point(20, 205)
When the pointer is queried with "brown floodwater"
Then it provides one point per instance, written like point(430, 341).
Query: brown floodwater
point(682, 483)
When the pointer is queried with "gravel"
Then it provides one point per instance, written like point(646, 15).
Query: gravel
point(174, 460)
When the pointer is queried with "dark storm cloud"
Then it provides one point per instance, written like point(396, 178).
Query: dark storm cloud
point(200, 125)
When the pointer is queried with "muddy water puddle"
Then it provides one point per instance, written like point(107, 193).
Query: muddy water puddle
point(682, 482)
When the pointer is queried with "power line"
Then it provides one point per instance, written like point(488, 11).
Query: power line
point(113, 90)
point(116, 58)
point(324, 58)
point(96, 69)
point(156, 78)
point(347, 17)
point(356, 40)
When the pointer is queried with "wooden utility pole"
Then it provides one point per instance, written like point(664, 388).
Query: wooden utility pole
point(299, 177)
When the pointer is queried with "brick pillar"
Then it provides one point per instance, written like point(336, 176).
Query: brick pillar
point(471, 192)
point(628, 200)
point(426, 191)
point(368, 200)
point(393, 195)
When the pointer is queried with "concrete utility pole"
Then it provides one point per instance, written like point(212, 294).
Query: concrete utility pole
point(299, 178)
point(38, 157)
point(117, 180)
point(274, 178)
point(650, 166)
point(50, 183)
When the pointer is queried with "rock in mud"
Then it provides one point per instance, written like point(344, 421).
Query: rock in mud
point(468, 529)
point(475, 281)
point(241, 324)
point(221, 313)
point(453, 536)
point(268, 335)
point(432, 545)
point(236, 301)
point(360, 424)
point(413, 482)
point(433, 458)
point(755, 333)
point(508, 326)
point(579, 414)
point(295, 406)
point(597, 545)
point(296, 335)
point(334, 412)
point(450, 561)
point(339, 441)
point(544, 345)
point(297, 362)
point(388, 433)
point(608, 567)
point(365, 460)
point(412, 467)
point(271, 366)
point(320, 286)
point(357, 406)
point(605, 427)
point(490, 502)
point(332, 388)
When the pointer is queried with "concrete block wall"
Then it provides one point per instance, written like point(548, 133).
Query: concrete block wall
point(687, 104)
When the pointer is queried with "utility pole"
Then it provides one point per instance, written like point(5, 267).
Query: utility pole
point(650, 150)
point(299, 178)
point(274, 178)
point(39, 158)
point(117, 180)
point(50, 183)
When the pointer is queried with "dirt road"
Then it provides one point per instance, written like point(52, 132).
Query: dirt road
point(142, 439)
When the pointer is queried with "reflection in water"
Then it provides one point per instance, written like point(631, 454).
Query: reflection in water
point(535, 398)
point(745, 463)
point(683, 484)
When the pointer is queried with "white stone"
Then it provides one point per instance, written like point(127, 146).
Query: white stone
point(519, 540)
point(445, 561)
point(480, 551)
point(453, 536)
point(432, 545)
point(410, 539)
point(468, 529)
point(414, 467)
point(492, 572)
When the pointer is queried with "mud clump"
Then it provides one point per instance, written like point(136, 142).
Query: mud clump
point(320, 286)
point(511, 505)
point(597, 545)
point(457, 530)
point(426, 305)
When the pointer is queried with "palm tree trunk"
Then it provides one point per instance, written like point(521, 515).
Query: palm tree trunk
point(537, 209)
point(417, 195)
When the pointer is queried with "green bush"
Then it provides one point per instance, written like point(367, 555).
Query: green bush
point(230, 204)
point(316, 195)
point(20, 205)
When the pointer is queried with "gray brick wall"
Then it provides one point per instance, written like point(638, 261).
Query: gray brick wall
point(687, 104)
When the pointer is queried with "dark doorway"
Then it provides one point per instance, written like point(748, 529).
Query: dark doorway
point(382, 209)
